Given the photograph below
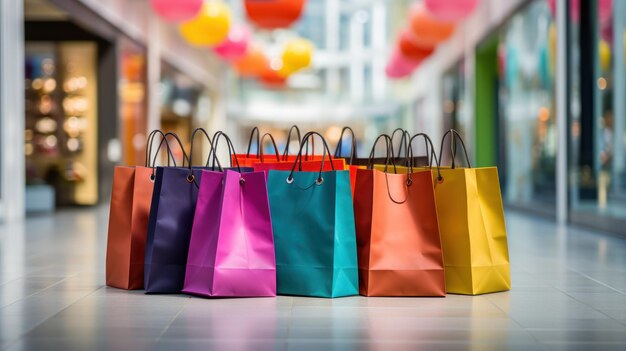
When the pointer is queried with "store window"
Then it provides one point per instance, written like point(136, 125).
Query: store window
point(61, 121)
point(598, 111)
point(526, 105)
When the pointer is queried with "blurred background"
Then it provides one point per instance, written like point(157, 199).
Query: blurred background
point(82, 82)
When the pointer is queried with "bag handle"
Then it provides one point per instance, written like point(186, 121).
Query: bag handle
point(258, 141)
point(390, 158)
point(404, 140)
point(150, 142)
point(320, 179)
point(339, 146)
point(231, 151)
point(432, 156)
point(286, 150)
point(191, 178)
point(454, 135)
point(390, 155)
point(164, 140)
point(268, 135)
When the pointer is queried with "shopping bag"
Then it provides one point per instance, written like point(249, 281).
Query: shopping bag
point(169, 226)
point(399, 247)
point(231, 252)
point(314, 231)
point(131, 196)
point(472, 227)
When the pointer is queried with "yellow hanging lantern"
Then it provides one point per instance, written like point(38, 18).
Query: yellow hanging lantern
point(605, 55)
point(297, 55)
point(210, 27)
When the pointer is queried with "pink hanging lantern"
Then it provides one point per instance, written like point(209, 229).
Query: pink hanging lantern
point(451, 10)
point(236, 44)
point(399, 66)
point(176, 10)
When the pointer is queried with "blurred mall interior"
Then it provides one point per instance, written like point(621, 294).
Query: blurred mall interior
point(535, 87)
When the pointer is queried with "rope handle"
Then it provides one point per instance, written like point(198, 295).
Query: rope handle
point(319, 179)
point(286, 150)
point(339, 146)
point(454, 136)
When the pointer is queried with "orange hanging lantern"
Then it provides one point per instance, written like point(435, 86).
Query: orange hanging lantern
point(412, 50)
point(427, 30)
point(252, 64)
point(273, 14)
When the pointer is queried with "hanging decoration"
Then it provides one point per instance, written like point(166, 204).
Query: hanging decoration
point(235, 45)
point(252, 64)
point(604, 51)
point(399, 66)
point(176, 10)
point(297, 55)
point(450, 10)
point(427, 30)
point(411, 50)
point(273, 14)
point(210, 27)
point(272, 78)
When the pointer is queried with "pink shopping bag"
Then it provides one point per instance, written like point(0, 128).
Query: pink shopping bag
point(231, 253)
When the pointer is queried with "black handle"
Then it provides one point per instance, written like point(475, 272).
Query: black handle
point(286, 150)
point(404, 140)
point(180, 144)
point(390, 157)
point(273, 143)
point(428, 142)
point(320, 179)
point(208, 138)
point(231, 151)
point(149, 143)
point(258, 141)
point(454, 135)
point(339, 146)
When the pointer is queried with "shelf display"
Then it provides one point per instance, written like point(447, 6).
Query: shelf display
point(61, 120)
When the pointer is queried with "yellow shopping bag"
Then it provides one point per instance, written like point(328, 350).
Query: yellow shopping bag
point(472, 228)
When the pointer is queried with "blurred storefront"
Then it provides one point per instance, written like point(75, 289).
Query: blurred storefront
point(502, 66)
point(97, 77)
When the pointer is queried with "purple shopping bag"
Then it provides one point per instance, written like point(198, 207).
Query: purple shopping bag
point(169, 229)
point(231, 253)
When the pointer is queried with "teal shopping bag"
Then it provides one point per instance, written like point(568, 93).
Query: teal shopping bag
point(314, 231)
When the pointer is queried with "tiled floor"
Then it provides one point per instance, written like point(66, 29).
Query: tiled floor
point(569, 293)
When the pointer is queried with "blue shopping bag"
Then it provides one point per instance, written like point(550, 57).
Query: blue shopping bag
point(314, 231)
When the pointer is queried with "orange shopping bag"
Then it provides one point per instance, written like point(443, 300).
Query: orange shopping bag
point(131, 197)
point(399, 247)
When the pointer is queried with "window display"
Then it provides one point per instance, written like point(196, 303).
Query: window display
point(527, 108)
point(60, 135)
point(598, 125)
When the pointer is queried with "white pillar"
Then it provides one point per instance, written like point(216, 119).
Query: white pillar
point(12, 179)
point(332, 16)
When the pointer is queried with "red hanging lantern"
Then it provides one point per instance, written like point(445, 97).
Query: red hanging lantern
point(412, 50)
point(273, 14)
point(272, 79)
